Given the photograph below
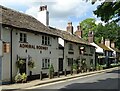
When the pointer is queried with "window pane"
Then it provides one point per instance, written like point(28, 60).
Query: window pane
point(48, 62)
point(48, 40)
point(42, 39)
point(20, 36)
point(43, 63)
point(45, 40)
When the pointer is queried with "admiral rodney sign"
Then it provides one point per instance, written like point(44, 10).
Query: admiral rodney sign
point(33, 46)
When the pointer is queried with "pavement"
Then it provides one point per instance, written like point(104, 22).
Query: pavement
point(47, 80)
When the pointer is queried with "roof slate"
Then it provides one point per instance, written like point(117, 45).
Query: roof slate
point(70, 37)
point(104, 47)
point(116, 49)
point(20, 20)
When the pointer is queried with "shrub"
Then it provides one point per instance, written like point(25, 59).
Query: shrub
point(31, 64)
point(20, 63)
point(24, 77)
point(18, 78)
point(74, 67)
point(51, 71)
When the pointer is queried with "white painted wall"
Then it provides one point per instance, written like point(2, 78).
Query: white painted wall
point(98, 49)
point(61, 41)
point(34, 53)
point(1, 51)
point(76, 54)
point(43, 17)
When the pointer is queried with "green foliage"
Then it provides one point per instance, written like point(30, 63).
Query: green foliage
point(21, 78)
point(109, 31)
point(31, 64)
point(108, 10)
point(18, 78)
point(51, 69)
point(87, 25)
point(20, 63)
point(24, 77)
point(74, 66)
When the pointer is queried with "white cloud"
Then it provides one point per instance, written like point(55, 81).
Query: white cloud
point(60, 10)
point(99, 21)
point(33, 10)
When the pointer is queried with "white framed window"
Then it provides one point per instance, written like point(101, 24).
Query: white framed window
point(45, 63)
point(23, 37)
point(46, 40)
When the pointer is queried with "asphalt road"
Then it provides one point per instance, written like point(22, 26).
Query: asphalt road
point(108, 80)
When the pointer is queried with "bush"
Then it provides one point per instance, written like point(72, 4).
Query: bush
point(24, 77)
point(18, 78)
point(20, 63)
point(31, 64)
point(74, 67)
point(51, 71)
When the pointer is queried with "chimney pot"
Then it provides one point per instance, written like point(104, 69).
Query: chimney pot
point(102, 41)
point(78, 32)
point(90, 37)
point(107, 42)
point(70, 28)
point(112, 44)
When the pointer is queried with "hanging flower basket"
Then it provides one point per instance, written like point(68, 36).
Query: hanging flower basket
point(31, 64)
point(20, 63)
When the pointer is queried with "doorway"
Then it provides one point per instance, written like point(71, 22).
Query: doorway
point(23, 68)
point(60, 64)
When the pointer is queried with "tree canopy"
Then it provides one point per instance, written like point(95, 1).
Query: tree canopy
point(87, 25)
point(108, 31)
point(109, 9)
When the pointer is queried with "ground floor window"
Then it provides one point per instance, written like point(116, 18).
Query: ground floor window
point(70, 61)
point(45, 63)
point(91, 62)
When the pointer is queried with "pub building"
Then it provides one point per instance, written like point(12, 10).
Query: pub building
point(23, 37)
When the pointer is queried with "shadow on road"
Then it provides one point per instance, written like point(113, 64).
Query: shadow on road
point(115, 71)
point(110, 83)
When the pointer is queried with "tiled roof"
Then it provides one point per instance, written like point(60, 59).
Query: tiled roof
point(20, 20)
point(116, 49)
point(104, 47)
point(70, 37)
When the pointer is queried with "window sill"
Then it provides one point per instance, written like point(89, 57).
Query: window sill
point(45, 45)
point(22, 42)
point(44, 68)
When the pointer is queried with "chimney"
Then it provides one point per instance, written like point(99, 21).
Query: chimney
point(43, 15)
point(102, 41)
point(107, 42)
point(90, 37)
point(78, 31)
point(70, 28)
point(113, 44)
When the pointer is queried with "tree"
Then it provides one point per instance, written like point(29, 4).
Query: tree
point(108, 10)
point(109, 31)
point(87, 25)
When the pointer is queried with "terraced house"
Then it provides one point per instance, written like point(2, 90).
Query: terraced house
point(23, 37)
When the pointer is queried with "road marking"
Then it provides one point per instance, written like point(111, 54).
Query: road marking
point(63, 81)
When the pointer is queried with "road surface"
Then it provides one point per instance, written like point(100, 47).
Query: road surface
point(107, 80)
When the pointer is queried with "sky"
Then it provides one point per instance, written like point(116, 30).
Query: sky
point(60, 11)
